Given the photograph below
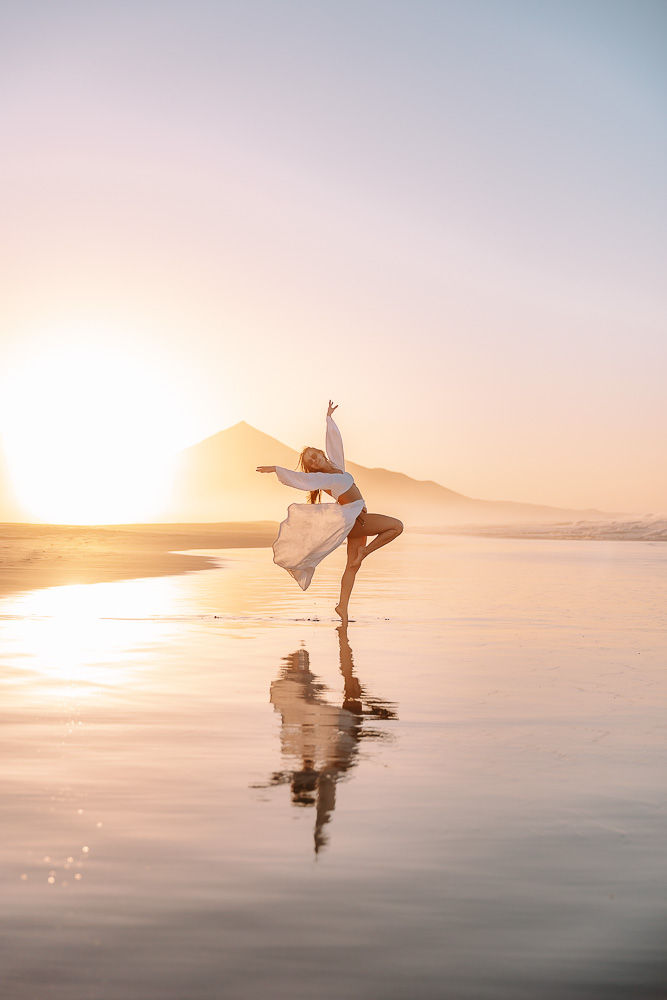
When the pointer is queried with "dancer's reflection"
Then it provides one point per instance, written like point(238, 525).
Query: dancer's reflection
point(322, 737)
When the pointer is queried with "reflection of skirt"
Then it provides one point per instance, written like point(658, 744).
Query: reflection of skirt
point(311, 532)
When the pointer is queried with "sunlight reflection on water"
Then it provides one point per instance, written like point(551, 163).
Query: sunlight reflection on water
point(211, 791)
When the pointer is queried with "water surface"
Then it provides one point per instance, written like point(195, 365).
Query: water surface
point(209, 791)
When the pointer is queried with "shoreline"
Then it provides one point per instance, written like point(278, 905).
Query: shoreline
point(649, 529)
point(36, 556)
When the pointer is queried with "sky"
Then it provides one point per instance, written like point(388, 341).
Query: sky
point(448, 217)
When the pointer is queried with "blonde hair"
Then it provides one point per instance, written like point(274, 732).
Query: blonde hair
point(314, 496)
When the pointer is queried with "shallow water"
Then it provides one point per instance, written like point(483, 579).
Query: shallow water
point(210, 792)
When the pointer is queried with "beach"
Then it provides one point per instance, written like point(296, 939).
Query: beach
point(47, 555)
point(211, 790)
point(405, 257)
point(629, 528)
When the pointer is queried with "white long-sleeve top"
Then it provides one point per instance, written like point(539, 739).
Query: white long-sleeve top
point(336, 482)
point(312, 531)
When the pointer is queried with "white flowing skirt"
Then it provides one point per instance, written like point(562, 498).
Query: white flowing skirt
point(310, 532)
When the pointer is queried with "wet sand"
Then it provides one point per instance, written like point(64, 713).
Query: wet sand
point(211, 791)
point(33, 556)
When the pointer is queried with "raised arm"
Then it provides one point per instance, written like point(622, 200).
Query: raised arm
point(334, 441)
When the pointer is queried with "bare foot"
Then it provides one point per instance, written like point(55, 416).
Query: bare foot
point(342, 613)
point(362, 552)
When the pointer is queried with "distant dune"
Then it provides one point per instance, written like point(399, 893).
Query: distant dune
point(216, 480)
point(648, 529)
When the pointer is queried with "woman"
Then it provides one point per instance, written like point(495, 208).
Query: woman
point(313, 530)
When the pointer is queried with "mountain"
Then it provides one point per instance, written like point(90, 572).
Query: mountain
point(216, 481)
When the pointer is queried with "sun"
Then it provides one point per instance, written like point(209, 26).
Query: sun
point(88, 434)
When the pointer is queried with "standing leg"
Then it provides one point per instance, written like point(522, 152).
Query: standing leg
point(347, 582)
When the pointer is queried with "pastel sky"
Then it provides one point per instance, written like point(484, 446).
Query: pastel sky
point(448, 217)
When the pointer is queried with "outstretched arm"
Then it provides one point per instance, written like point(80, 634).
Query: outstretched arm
point(299, 480)
point(334, 441)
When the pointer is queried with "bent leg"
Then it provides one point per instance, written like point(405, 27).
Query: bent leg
point(347, 582)
point(385, 528)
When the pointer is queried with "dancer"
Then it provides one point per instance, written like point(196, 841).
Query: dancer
point(313, 530)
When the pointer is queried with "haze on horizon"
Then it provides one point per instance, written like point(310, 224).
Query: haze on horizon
point(450, 218)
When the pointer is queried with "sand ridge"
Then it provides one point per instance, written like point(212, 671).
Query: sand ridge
point(33, 556)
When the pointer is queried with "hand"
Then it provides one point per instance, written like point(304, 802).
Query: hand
point(265, 468)
point(331, 407)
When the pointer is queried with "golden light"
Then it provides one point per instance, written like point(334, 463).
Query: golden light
point(89, 435)
point(86, 640)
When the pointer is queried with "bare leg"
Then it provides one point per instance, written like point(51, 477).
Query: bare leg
point(385, 528)
point(347, 582)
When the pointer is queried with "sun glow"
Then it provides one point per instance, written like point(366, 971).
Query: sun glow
point(88, 435)
point(86, 640)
